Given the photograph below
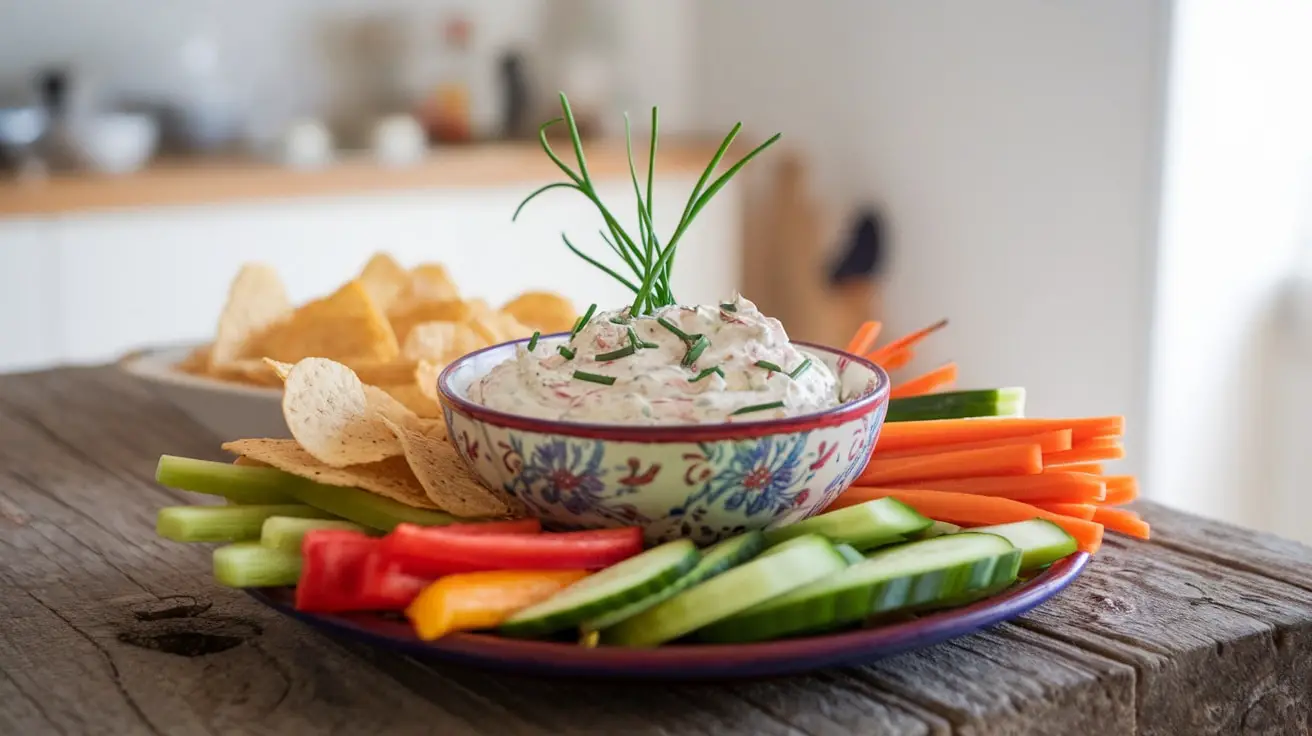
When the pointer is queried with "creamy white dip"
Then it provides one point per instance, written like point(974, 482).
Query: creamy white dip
point(669, 378)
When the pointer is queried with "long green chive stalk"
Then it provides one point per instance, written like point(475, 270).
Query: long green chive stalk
point(649, 261)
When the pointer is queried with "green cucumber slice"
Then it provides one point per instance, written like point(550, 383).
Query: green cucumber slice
point(1005, 574)
point(720, 557)
point(249, 484)
point(616, 586)
point(728, 593)
point(905, 576)
point(252, 565)
point(938, 529)
point(1040, 541)
point(286, 532)
point(849, 553)
point(996, 402)
point(865, 525)
point(224, 523)
point(242, 484)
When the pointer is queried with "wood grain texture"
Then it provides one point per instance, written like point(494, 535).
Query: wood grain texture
point(110, 630)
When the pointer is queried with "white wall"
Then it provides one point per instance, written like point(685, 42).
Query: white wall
point(1230, 415)
point(1013, 147)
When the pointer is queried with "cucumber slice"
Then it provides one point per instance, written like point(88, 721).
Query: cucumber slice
point(728, 593)
point(849, 553)
point(224, 523)
point(243, 484)
point(865, 525)
point(1005, 574)
point(998, 402)
point(250, 484)
point(252, 565)
point(1040, 541)
point(285, 533)
point(938, 529)
point(616, 586)
point(722, 556)
point(905, 576)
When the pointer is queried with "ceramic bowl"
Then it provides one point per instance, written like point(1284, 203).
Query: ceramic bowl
point(703, 482)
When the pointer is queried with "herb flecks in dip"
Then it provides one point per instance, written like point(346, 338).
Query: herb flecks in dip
point(668, 376)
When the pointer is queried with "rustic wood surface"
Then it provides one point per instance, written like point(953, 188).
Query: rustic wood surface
point(108, 630)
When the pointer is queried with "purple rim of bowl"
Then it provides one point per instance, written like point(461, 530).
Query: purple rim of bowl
point(670, 432)
point(693, 661)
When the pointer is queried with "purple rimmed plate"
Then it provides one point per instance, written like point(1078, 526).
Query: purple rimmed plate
point(691, 661)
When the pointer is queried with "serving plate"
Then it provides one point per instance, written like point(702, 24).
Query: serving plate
point(690, 661)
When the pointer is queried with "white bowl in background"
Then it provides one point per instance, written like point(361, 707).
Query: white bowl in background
point(230, 410)
point(116, 143)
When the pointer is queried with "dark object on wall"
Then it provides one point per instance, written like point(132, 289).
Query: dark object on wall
point(515, 104)
point(865, 255)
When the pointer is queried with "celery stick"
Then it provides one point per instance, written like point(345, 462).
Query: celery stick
point(286, 532)
point(237, 483)
point(252, 565)
point(224, 523)
point(369, 509)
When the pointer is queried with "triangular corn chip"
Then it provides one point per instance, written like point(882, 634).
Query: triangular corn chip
point(543, 311)
point(384, 279)
point(344, 326)
point(448, 481)
point(390, 478)
point(256, 300)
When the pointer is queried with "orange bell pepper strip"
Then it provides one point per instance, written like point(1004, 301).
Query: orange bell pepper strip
point(482, 600)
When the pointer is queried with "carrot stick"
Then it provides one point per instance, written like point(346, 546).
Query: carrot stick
point(967, 509)
point(1121, 520)
point(1075, 510)
point(864, 339)
point(906, 341)
point(901, 435)
point(1090, 468)
point(1087, 452)
point(1045, 487)
point(898, 359)
point(1054, 441)
point(1121, 489)
point(936, 379)
point(1005, 460)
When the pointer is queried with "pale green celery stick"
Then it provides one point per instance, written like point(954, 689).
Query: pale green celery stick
point(224, 523)
point(252, 565)
point(244, 484)
point(285, 533)
point(370, 509)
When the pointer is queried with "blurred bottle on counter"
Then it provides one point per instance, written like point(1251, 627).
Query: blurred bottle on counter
point(582, 34)
point(446, 112)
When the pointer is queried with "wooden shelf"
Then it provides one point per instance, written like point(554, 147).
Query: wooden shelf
point(172, 182)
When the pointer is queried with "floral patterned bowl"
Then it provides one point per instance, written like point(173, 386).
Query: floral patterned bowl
point(701, 481)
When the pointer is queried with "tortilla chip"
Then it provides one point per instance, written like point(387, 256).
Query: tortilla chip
point(248, 371)
point(412, 314)
point(335, 417)
point(448, 480)
point(415, 400)
point(390, 478)
point(392, 372)
point(543, 310)
point(499, 328)
point(431, 282)
point(384, 279)
point(344, 326)
point(256, 301)
point(426, 374)
point(441, 341)
point(197, 361)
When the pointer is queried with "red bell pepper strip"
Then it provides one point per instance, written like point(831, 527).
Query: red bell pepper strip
point(344, 571)
point(383, 587)
point(513, 526)
point(431, 552)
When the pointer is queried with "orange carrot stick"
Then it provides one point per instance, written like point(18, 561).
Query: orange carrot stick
point(1087, 452)
point(1045, 487)
point(1121, 489)
point(898, 359)
point(864, 339)
point(944, 375)
point(1121, 520)
point(906, 341)
point(990, 461)
point(1075, 510)
point(901, 435)
point(967, 509)
point(1090, 468)
point(1054, 441)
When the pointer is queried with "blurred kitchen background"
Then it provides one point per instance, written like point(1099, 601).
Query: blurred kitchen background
point(1110, 199)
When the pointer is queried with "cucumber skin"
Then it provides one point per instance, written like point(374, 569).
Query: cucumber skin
point(752, 543)
point(849, 553)
point(858, 603)
point(1005, 575)
point(1035, 558)
point(570, 617)
point(814, 525)
point(956, 405)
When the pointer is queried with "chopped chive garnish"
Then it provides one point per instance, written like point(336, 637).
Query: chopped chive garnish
point(638, 342)
point(758, 407)
point(799, 370)
point(623, 352)
point(618, 321)
point(706, 372)
point(583, 321)
point(670, 326)
point(769, 366)
point(594, 378)
point(729, 307)
point(695, 351)
point(567, 352)
point(533, 341)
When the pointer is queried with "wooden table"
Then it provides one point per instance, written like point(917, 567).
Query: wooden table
point(108, 630)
